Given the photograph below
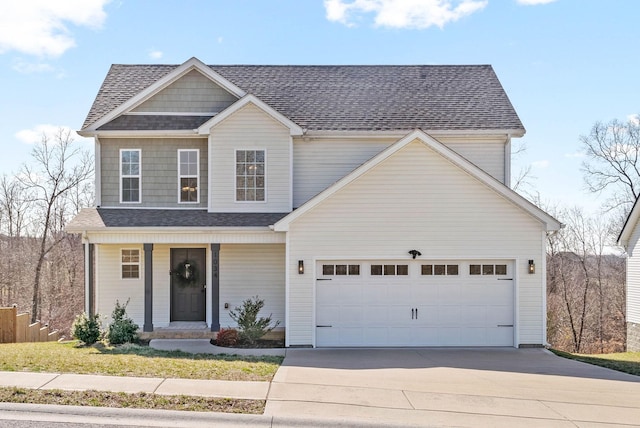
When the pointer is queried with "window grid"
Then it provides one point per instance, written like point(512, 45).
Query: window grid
point(130, 262)
point(130, 173)
point(250, 175)
point(189, 175)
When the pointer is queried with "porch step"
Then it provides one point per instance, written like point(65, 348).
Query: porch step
point(180, 330)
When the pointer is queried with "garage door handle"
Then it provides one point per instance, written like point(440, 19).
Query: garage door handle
point(324, 326)
point(412, 312)
point(505, 279)
point(505, 325)
point(323, 279)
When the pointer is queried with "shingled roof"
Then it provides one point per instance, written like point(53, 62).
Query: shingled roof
point(99, 218)
point(348, 98)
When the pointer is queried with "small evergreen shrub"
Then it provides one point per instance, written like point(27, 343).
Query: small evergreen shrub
point(87, 329)
point(122, 329)
point(227, 337)
point(251, 327)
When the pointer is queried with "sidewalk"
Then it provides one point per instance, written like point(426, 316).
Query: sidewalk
point(166, 386)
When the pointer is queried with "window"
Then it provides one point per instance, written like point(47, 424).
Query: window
point(439, 269)
point(130, 264)
point(130, 175)
point(341, 269)
point(389, 270)
point(188, 175)
point(487, 269)
point(250, 175)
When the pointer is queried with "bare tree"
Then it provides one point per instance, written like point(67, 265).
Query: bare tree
point(59, 168)
point(522, 181)
point(613, 162)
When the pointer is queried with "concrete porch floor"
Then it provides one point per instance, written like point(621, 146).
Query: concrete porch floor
point(180, 330)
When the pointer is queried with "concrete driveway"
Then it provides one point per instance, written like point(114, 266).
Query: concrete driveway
point(503, 387)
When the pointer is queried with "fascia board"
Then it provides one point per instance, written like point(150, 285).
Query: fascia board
point(160, 84)
point(140, 134)
point(294, 129)
point(630, 223)
point(549, 222)
point(514, 133)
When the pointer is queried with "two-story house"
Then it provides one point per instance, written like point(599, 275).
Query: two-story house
point(367, 205)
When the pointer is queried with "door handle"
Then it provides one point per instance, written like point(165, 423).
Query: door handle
point(412, 313)
point(416, 313)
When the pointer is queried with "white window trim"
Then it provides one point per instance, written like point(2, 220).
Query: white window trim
point(139, 176)
point(235, 175)
point(197, 177)
point(139, 264)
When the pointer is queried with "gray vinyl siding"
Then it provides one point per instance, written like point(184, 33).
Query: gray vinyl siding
point(416, 199)
point(159, 159)
point(192, 93)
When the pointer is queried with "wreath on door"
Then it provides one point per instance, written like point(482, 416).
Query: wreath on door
point(186, 273)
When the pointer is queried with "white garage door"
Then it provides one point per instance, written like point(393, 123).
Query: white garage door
point(414, 303)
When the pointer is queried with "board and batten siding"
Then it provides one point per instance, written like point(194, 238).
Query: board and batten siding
point(252, 270)
point(159, 159)
point(318, 163)
point(633, 277)
point(192, 93)
point(416, 199)
point(250, 129)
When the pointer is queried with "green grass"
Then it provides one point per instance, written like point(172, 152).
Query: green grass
point(124, 400)
point(133, 360)
point(627, 362)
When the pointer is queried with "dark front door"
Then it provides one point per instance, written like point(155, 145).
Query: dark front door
point(188, 284)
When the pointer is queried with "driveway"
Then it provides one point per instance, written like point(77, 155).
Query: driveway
point(500, 387)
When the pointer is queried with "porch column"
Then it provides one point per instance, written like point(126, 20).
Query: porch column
point(89, 257)
point(148, 288)
point(215, 287)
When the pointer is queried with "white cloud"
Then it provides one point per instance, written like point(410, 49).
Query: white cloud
point(634, 118)
point(155, 54)
point(534, 2)
point(39, 27)
point(35, 134)
point(574, 155)
point(541, 164)
point(418, 14)
point(220, 39)
point(26, 67)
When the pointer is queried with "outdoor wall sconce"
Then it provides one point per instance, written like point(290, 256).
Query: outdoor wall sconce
point(300, 267)
point(532, 267)
point(415, 253)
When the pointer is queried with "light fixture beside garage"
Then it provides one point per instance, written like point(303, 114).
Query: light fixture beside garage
point(532, 267)
point(300, 267)
point(415, 253)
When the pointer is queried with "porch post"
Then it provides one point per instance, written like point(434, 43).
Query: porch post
point(91, 309)
point(148, 288)
point(215, 287)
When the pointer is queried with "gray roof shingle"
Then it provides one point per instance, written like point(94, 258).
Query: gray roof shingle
point(97, 218)
point(349, 98)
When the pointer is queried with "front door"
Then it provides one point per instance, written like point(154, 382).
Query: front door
point(188, 284)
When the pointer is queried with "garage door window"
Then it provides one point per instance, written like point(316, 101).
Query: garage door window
point(329, 270)
point(487, 269)
point(389, 270)
point(439, 269)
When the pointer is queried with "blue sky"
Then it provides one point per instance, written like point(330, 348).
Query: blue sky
point(564, 64)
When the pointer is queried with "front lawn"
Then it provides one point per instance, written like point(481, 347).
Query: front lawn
point(133, 360)
point(627, 362)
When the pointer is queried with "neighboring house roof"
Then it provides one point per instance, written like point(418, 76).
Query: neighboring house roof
point(345, 98)
point(548, 221)
point(100, 218)
point(629, 225)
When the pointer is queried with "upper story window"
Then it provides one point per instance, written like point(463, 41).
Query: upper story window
point(250, 175)
point(130, 173)
point(188, 175)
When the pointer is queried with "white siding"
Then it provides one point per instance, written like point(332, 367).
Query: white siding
point(252, 270)
point(110, 287)
point(633, 277)
point(416, 200)
point(317, 164)
point(250, 128)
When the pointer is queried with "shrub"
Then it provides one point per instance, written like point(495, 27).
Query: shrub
point(251, 327)
point(87, 329)
point(227, 337)
point(122, 329)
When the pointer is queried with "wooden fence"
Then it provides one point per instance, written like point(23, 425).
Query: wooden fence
point(15, 328)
